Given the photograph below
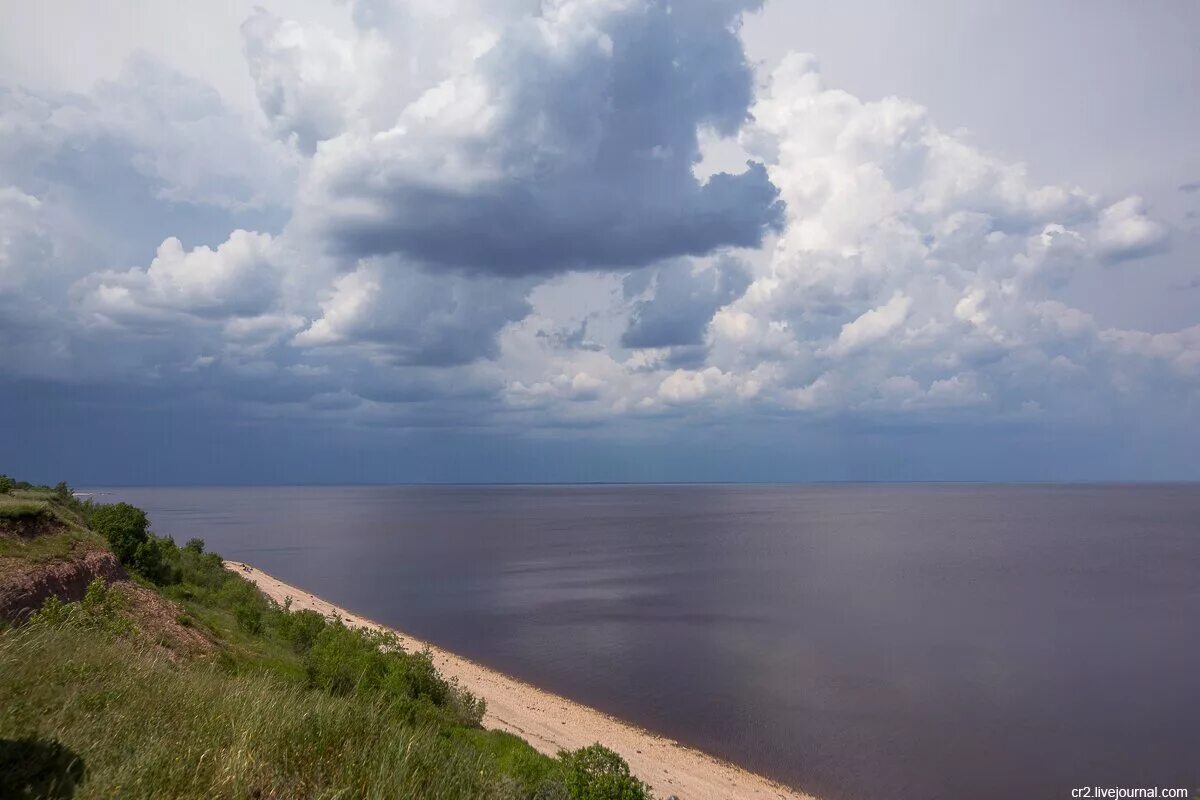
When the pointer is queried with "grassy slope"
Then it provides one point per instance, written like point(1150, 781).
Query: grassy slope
point(145, 727)
point(85, 696)
point(68, 537)
point(30, 502)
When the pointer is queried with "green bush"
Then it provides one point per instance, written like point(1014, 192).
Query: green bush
point(466, 707)
point(249, 617)
point(6, 484)
point(551, 789)
point(124, 526)
point(597, 773)
point(341, 663)
point(201, 569)
point(300, 629)
point(99, 610)
point(157, 560)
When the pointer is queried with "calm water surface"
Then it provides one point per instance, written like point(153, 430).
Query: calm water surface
point(908, 642)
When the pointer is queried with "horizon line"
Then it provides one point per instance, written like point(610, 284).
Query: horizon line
point(485, 484)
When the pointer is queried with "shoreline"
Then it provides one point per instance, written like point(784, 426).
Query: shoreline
point(551, 723)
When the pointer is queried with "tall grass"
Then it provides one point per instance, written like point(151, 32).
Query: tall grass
point(13, 509)
point(41, 549)
point(146, 727)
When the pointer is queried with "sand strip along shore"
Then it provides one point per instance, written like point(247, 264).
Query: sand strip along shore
point(551, 723)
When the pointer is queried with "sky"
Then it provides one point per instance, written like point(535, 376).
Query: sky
point(344, 241)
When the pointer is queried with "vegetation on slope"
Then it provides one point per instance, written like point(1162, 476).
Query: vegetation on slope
point(99, 700)
point(40, 525)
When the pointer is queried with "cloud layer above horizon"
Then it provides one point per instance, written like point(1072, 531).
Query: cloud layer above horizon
point(575, 220)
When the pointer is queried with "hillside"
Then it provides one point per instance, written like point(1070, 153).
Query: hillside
point(131, 667)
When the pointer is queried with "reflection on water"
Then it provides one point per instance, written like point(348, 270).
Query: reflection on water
point(856, 641)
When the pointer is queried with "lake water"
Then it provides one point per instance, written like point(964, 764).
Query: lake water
point(913, 642)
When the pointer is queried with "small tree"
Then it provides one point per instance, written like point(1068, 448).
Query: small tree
point(62, 491)
point(6, 484)
point(124, 526)
point(597, 773)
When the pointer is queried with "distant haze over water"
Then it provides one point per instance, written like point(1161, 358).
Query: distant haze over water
point(910, 642)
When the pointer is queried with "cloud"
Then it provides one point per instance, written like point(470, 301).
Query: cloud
point(240, 278)
point(415, 316)
point(24, 245)
point(31, 336)
point(683, 297)
point(1126, 232)
point(571, 338)
point(150, 123)
point(304, 77)
point(565, 141)
point(91, 181)
point(873, 325)
point(915, 275)
point(688, 386)
point(487, 215)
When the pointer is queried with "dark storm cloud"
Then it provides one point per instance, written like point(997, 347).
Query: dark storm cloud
point(683, 302)
point(578, 221)
point(588, 161)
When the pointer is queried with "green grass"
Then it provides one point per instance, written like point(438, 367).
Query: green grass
point(244, 724)
point(147, 728)
point(20, 504)
point(12, 508)
point(61, 523)
point(17, 552)
point(39, 525)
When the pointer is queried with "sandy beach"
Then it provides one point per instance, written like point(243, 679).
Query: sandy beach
point(552, 723)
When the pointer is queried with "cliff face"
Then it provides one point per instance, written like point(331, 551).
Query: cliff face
point(22, 594)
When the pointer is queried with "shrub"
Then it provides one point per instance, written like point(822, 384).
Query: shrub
point(124, 526)
point(54, 613)
point(6, 484)
point(340, 664)
point(343, 661)
point(300, 628)
point(99, 610)
point(97, 600)
point(550, 789)
point(156, 559)
point(202, 569)
point(467, 708)
point(413, 675)
point(249, 616)
point(597, 773)
point(63, 492)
